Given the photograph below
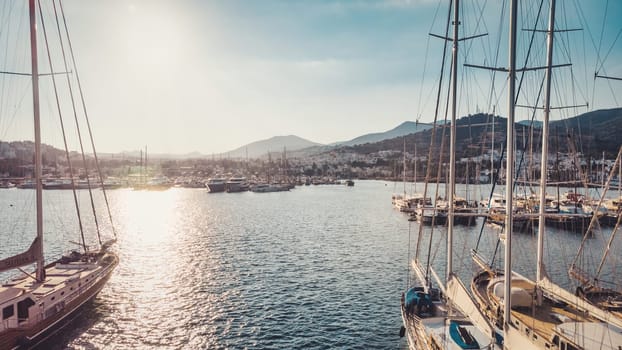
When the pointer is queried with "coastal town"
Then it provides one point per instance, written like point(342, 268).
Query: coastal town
point(327, 167)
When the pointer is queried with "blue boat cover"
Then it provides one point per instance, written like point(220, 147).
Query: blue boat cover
point(416, 297)
point(462, 337)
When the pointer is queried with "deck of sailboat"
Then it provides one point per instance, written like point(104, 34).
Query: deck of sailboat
point(541, 319)
point(433, 332)
point(66, 287)
point(57, 276)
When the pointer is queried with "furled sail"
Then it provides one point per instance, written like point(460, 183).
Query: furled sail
point(21, 259)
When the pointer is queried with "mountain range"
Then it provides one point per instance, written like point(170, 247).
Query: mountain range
point(274, 144)
point(301, 147)
point(590, 133)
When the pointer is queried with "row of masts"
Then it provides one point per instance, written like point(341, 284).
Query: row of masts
point(542, 284)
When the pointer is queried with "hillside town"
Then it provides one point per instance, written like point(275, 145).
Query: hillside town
point(327, 166)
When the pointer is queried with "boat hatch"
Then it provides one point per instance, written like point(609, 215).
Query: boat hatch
point(561, 318)
point(56, 272)
point(53, 282)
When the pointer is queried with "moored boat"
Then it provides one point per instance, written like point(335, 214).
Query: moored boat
point(215, 184)
point(236, 184)
point(35, 305)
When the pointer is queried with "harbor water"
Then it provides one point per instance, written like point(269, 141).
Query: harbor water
point(318, 267)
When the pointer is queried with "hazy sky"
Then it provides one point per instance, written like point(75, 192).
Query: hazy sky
point(210, 76)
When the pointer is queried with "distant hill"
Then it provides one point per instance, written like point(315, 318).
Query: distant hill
point(536, 123)
point(273, 144)
point(406, 128)
point(592, 133)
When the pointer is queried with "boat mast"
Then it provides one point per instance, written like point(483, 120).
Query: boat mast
point(492, 149)
point(545, 149)
point(415, 170)
point(38, 160)
point(404, 168)
point(510, 167)
point(452, 142)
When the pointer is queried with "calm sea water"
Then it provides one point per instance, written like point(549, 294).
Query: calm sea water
point(319, 267)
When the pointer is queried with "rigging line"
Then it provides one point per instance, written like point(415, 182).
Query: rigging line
point(496, 61)
point(3, 96)
point(62, 125)
point(496, 250)
point(75, 115)
point(610, 49)
point(495, 176)
point(577, 163)
point(531, 125)
point(88, 124)
point(433, 135)
point(425, 64)
point(602, 30)
point(584, 23)
point(13, 115)
point(439, 174)
point(610, 241)
point(528, 54)
point(432, 138)
point(585, 236)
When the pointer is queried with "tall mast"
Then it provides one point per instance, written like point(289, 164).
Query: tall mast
point(492, 149)
point(545, 146)
point(452, 142)
point(38, 159)
point(415, 171)
point(510, 167)
point(404, 168)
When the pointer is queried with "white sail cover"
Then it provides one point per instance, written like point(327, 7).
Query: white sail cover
point(583, 305)
point(21, 259)
point(459, 296)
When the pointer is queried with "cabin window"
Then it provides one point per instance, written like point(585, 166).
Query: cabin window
point(22, 309)
point(62, 293)
point(571, 347)
point(8, 311)
point(53, 298)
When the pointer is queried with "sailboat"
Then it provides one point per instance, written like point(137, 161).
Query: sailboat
point(537, 314)
point(35, 305)
point(444, 316)
point(403, 202)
